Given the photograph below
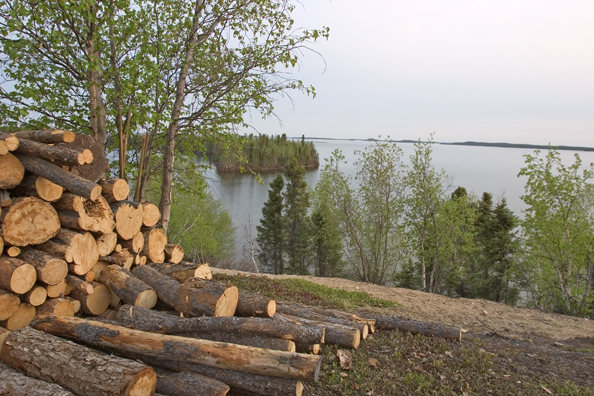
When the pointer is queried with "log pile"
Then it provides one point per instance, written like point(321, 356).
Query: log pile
point(90, 288)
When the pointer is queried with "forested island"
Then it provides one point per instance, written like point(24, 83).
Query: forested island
point(261, 153)
point(519, 145)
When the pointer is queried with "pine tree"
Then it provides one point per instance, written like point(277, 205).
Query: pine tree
point(297, 200)
point(327, 244)
point(271, 231)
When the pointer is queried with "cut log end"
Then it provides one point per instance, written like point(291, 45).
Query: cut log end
point(144, 383)
point(29, 221)
point(227, 304)
point(11, 171)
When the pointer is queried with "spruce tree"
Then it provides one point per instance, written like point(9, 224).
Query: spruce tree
point(327, 244)
point(297, 200)
point(271, 231)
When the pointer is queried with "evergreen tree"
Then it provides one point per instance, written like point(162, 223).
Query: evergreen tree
point(327, 243)
point(297, 201)
point(271, 234)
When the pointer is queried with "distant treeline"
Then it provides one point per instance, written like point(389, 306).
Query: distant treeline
point(519, 145)
point(263, 153)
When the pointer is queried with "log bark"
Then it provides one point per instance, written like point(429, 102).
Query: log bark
point(9, 304)
point(80, 213)
point(16, 275)
point(57, 306)
point(77, 368)
point(46, 136)
point(95, 170)
point(345, 336)
point(308, 348)
point(183, 271)
point(36, 296)
point(253, 340)
point(173, 253)
point(251, 304)
point(212, 353)
point(56, 290)
point(303, 311)
point(95, 303)
point(128, 219)
point(114, 190)
point(188, 383)
point(29, 221)
point(155, 241)
point(217, 300)
point(106, 243)
point(58, 154)
point(12, 171)
point(136, 244)
point(21, 318)
point(417, 327)
point(50, 270)
point(147, 320)
point(128, 287)
point(14, 383)
point(70, 182)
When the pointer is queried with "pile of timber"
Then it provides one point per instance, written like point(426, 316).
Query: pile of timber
point(94, 300)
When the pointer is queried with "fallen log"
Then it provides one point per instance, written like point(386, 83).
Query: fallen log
point(11, 171)
point(308, 348)
point(114, 190)
point(251, 304)
point(128, 219)
point(28, 221)
point(417, 327)
point(155, 241)
point(211, 353)
point(14, 383)
point(50, 270)
point(80, 213)
point(16, 275)
point(73, 183)
point(147, 320)
point(79, 369)
point(183, 271)
point(187, 383)
point(21, 318)
point(128, 287)
point(345, 336)
point(173, 253)
point(216, 300)
point(80, 284)
point(9, 303)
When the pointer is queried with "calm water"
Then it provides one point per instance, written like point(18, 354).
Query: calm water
point(478, 169)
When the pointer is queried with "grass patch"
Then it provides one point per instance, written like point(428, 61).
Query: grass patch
point(305, 292)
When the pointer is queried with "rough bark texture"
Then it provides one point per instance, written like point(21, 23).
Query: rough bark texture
point(253, 340)
point(16, 275)
point(79, 369)
point(29, 221)
point(9, 303)
point(36, 186)
point(187, 383)
point(251, 304)
point(46, 136)
point(416, 327)
point(155, 241)
point(95, 170)
point(211, 353)
point(143, 319)
point(128, 287)
point(57, 306)
point(11, 171)
point(128, 219)
point(222, 297)
point(59, 154)
point(114, 189)
point(73, 183)
point(187, 299)
point(14, 383)
point(183, 271)
point(50, 269)
point(345, 336)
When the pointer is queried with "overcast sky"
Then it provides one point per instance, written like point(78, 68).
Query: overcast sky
point(484, 70)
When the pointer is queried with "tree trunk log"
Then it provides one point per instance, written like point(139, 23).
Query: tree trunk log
point(122, 258)
point(136, 244)
point(211, 353)
point(416, 327)
point(128, 219)
point(12, 171)
point(46, 136)
point(187, 383)
point(16, 275)
point(79, 369)
point(106, 243)
point(29, 221)
point(10, 141)
point(128, 287)
point(345, 336)
point(94, 216)
point(152, 215)
point(251, 304)
point(73, 183)
point(21, 318)
point(91, 171)
point(9, 304)
point(183, 271)
point(37, 186)
point(82, 249)
point(36, 296)
point(56, 290)
point(155, 241)
point(253, 340)
point(143, 319)
point(13, 251)
point(50, 269)
point(217, 300)
point(78, 283)
point(174, 253)
point(95, 303)
point(58, 154)
point(114, 190)
point(308, 348)
point(57, 306)
point(13, 383)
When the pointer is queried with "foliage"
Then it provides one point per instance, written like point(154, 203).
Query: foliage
point(271, 231)
point(297, 222)
point(326, 241)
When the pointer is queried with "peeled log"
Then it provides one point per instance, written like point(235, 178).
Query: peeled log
point(128, 219)
point(416, 327)
point(73, 183)
point(183, 271)
point(155, 241)
point(9, 303)
point(16, 275)
point(128, 287)
point(174, 253)
point(50, 269)
point(147, 320)
point(211, 353)
point(187, 383)
point(251, 304)
point(11, 171)
point(14, 383)
point(216, 301)
point(29, 221)
point(21, 318)
point(80, 213)
point(345, 336)
point(79, 369)
point(114, 189)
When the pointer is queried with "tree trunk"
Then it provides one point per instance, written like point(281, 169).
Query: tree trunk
point(114, 190)
point(56, 290)
point(69, 181)
point(10, 142)
point(58, 154)
point(47, 136)
point(187, 383)
point(215, 301)
point(16, 275)
point(136, 244)
point(79, 369)
point(416, 327)
point(345, 336)
point(14, 383)
point(9, 304)
point(128, 287)
point(12, 171)
point(50, 269)
point(29, 221)
point(143, 319)
point(80, 284)
point(183, 271)
point(128, 219)
point(211, 353)
point(21, 318)
point(251, 304)
point(122, 258)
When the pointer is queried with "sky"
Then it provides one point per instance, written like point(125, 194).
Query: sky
point(517, 71)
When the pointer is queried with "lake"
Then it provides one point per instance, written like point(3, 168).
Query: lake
point(478, 169)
